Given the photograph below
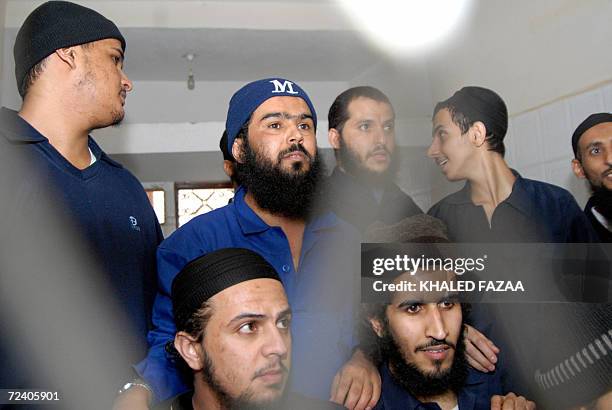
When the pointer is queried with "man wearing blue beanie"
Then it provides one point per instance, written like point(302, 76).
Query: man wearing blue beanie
point(270, 128)
point(69, 72)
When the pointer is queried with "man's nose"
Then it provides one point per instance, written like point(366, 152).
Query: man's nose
point(436, 327)
point(433, 149)
point(276, 343)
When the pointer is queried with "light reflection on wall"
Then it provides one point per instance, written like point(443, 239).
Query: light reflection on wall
point(406, 26)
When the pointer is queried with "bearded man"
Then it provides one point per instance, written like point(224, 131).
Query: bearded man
point(270, 128)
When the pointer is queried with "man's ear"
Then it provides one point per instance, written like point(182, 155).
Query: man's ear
point(238, 150)
point(577, 168)
point(228, 167)
point(377, 326)
point(67, 55)
point(333, 136)
point(478, 134)
point(190, 350)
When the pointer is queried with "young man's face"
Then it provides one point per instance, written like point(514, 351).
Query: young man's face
point(368, 136)
point(595, 163)
point(102, 82)
point(450, 149)
point(247, 342)
point(282, 130)
point(426, 326)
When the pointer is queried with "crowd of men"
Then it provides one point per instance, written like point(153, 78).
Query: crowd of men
point(257, 304)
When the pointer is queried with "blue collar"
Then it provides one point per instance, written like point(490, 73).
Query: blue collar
point(251, 223)
point(395, 396)
point(18, 131)
point(519, 197)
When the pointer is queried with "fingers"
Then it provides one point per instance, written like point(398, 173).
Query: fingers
point(357, 385)
point(480, 351)
point(340, 388)
point(496, 402)
point(511, 402)
point(364, 397)
point(476, 359)
point(353, 395)
point(376, 390)
point(370, 394)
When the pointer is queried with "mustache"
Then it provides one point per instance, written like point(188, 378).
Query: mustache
point(277, 365)
point(607, 172)
point(377, 149)
point(294, 148)
point(434, 343)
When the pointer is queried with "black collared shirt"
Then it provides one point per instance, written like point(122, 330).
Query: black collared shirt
point(354, 202)
point(534, 212)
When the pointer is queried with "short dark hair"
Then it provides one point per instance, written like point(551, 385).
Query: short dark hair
point(32, 76)
point(195, 325)
point(472, 104)
point(338, 112)
point(37, 70)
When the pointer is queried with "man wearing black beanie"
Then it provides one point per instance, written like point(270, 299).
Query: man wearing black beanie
point(69, 72)
point(592, 144)
point(233, 324)
point(496, 204)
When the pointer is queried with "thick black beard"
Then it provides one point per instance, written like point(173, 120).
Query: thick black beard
point(244, 401)
point(353, 166)
point(290, 195)
point(602, 200)
point(417, 382)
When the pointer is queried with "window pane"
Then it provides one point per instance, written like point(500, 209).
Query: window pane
point(157, 199)
point(194, 202)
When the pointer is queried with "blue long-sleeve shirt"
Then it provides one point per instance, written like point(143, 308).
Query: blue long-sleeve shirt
point(322, 292)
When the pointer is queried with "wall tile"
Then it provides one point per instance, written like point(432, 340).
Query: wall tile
point(526, 144)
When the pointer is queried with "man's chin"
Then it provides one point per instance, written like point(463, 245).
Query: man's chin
point(264, 400)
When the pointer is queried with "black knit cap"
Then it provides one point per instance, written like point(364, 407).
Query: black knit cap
point(55, 25)
point(591, 121)
point(482, 104)
point(212, 273)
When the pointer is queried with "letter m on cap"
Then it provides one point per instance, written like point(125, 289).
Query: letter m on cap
point(284, 87)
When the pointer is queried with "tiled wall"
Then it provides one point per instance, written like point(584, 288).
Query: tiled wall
point(539, 141)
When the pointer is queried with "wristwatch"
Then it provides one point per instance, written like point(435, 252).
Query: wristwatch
point(134, 383)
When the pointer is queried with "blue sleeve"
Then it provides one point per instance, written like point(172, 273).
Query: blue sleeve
point(157, 369)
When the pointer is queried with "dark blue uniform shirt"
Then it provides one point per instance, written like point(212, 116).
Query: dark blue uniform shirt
point(322, 292)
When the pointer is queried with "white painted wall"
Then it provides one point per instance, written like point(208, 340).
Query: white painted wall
point(531, 52)
point(256, 15)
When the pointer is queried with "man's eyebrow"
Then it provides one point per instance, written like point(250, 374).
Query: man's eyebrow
point(437, 128)
point(594, 144)
point(284, 313)
point(120, 51)
point(247, 315)
point(409, 302)
point(305, 116)
point(286, 115)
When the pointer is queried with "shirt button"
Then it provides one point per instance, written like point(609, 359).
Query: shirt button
point(286, 268)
